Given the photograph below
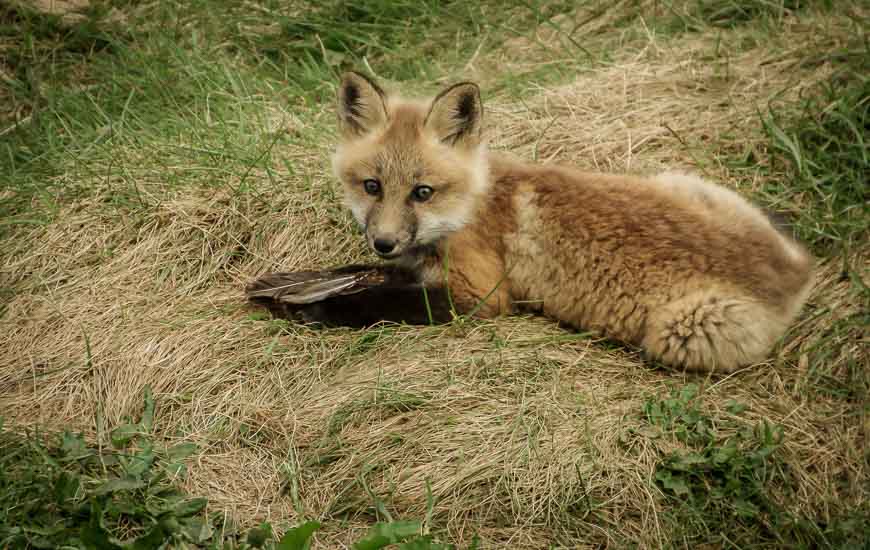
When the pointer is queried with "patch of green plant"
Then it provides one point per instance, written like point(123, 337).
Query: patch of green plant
point(678, 413)
point(728, 489)
point(836, 362)
point(62, 491)
point(405, 535)
point(820, 146)
point(399, 39)
point(727, 478)
point(400, 535)
point(699, 15)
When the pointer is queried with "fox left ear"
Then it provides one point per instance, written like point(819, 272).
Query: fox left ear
point(456, 115)
point(361, 105)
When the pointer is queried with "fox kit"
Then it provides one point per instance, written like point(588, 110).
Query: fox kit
point(681, 267)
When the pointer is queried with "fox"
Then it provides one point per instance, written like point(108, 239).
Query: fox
point(685, 269)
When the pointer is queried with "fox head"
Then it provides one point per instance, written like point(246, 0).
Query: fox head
point(413, 172)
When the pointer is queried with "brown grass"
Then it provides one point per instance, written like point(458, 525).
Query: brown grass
point(517, 431)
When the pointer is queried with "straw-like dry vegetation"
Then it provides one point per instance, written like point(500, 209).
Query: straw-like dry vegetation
point(155, 157)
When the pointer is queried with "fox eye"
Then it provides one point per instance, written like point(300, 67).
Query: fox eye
point(372, 186)
point(422, 193)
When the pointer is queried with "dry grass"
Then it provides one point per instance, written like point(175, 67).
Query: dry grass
point(527, 438)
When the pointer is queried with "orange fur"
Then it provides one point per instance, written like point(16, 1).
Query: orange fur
point(686, 269)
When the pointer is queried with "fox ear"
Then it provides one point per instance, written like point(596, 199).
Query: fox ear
point(456, 115)
point(361, 105)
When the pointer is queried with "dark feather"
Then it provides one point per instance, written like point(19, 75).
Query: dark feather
point(355, 296)
point(306, 287)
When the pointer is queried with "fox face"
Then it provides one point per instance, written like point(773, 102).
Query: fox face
point(412, 172)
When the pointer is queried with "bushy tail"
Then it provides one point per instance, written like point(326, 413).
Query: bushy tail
point(707, 332)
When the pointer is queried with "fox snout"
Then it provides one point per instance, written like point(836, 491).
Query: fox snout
point(384, 245)
point(391, 227)
point(389, 245)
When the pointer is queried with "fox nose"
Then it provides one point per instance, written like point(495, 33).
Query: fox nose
point(384, 246)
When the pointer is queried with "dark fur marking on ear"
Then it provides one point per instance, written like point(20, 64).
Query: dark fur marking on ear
point(466, 109)
point(351, 100)
point(371, 83)
point(355, 101)
point(461, 118)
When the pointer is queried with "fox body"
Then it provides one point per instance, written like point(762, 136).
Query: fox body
point(681, 267)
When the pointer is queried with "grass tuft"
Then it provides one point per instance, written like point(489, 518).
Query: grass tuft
point(701, 15)
point(729, 486)
point(822, 149)
point(61, 491)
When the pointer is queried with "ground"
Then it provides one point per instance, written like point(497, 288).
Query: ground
point(155, 158)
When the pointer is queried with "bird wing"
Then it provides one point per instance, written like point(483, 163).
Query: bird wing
point(306, 287)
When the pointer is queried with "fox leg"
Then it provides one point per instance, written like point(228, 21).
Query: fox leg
point(708, 332)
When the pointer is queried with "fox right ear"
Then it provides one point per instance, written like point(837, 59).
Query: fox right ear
point(361, 105)
point(456, 115)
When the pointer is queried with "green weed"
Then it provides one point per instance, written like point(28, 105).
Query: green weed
point(732, 489)
point(679, 414)
point(61, 491)
point(699, 15)
point(821, 148)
